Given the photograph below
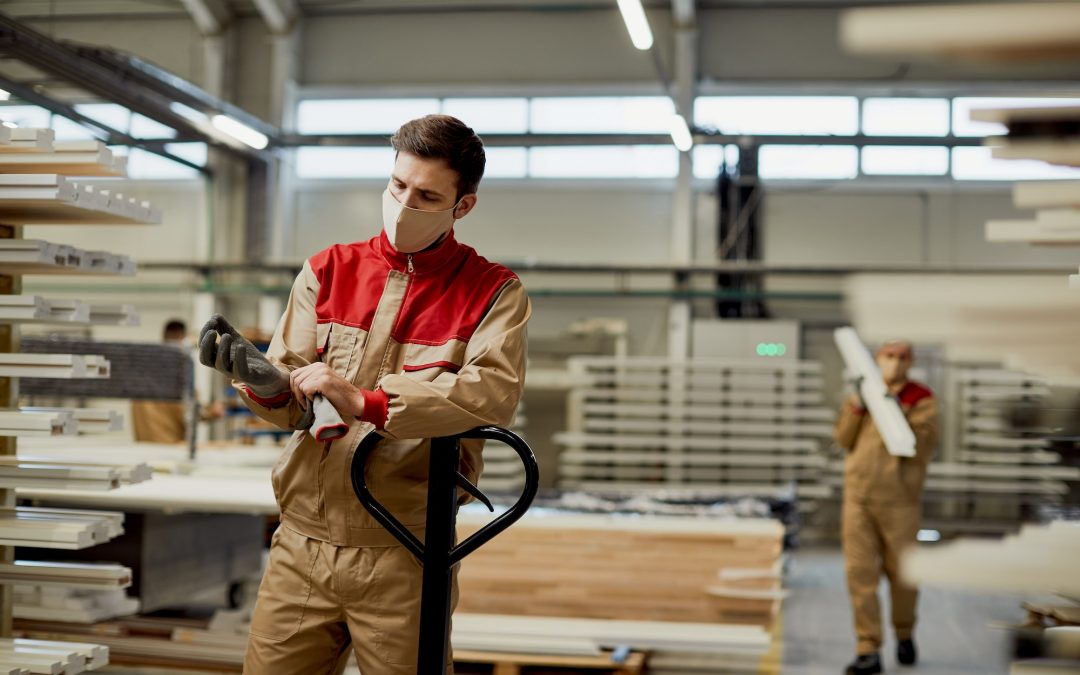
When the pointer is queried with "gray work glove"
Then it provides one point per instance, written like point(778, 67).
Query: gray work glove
point(224, 349)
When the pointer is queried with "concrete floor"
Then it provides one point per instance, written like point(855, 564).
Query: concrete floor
point(953, 635)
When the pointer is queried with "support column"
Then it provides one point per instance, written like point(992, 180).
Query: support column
point(682, 216)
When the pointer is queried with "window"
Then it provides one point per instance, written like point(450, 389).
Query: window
point(143, 165)
point(361, 116)
point(602, 115)
point(808, 161)
point(196, 153)
point(792, 115)
point(708, 159)
point(628, 161)
point(110, 114)
point(902, 160)
point(25, 116)
point(66, 130)
point(905, 117)
point(144, 127)
point(327, 162)
point(962, 107)
point(979, 164)
point(490, 115)
point(506, 163)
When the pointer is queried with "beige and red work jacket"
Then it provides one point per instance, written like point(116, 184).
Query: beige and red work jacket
point(871, 473)
point(435, 341)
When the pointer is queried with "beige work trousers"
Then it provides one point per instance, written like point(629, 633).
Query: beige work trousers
point(316, 599)
point(875, 534)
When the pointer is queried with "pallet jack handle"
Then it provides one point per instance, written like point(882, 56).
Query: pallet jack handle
point(437, 553)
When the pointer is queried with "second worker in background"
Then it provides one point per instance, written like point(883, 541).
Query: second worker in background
point(882, 507)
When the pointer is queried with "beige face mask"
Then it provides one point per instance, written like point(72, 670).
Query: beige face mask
point(411, 230)
point(893, 371)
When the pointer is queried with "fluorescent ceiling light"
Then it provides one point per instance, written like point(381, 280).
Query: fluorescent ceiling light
point(10, 125)
point(637, 24)
point(680, 133)
point(239, 131)
point(5, 95)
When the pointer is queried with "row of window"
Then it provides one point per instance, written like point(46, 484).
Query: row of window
point(758, 115)
point(775, 162)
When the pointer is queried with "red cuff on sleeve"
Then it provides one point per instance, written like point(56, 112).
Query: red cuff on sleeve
point(275, 401)
point(376, 407)
point(858, 410)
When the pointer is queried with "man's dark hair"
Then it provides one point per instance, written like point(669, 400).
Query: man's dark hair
point(174, 328)
point(449, 139)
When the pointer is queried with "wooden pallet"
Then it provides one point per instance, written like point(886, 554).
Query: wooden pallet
point(518, 664)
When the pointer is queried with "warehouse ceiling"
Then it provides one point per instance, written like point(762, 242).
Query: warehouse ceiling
point(39, 9)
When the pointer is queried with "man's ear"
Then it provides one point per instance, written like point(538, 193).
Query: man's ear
point(464, 206)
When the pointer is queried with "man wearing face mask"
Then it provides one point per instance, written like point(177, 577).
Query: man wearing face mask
point(410, 334)
point(882, 507)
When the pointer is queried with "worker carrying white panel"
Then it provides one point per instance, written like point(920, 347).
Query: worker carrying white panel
point(888, 454)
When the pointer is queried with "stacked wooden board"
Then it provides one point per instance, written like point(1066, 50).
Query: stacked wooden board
point(584, 582)
point(35, 199)
point(65, 366)
point(1017, 31)
point(73, 605)
point(1039, 559)
point(33, 256)
point(35, 189)
point(750, 427)
point(49, 656)
point(1048, 134)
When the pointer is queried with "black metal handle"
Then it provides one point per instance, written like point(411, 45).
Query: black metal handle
point(481, 536)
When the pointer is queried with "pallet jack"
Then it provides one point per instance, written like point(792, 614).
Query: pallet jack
point(438, 554)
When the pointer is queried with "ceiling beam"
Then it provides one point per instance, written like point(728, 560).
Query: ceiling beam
point(210, 16)
point(279, 15)
point(684, 11)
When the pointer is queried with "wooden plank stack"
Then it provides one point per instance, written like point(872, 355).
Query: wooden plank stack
point(749, 426)
point(35, 189)
point(574, 584)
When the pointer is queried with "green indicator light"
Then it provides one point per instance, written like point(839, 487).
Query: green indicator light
point(761, 348)
point(783, 350)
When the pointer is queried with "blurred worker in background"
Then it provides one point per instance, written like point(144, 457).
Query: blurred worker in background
point(166, 421)
point(882, 507)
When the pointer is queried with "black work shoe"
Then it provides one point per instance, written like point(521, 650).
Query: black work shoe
point(905, 652)
point(867, 664)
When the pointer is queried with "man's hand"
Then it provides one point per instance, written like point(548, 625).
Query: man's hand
point(855, 399)
point(224, 349)
point(319, 378)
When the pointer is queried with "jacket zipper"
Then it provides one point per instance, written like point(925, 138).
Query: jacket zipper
point(411, 270)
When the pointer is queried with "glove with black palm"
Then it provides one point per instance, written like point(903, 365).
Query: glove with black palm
point(224, 349)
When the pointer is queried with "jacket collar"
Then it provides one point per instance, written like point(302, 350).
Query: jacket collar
point(424, 262)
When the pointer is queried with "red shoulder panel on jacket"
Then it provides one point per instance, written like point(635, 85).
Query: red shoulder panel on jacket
point(450, 305)
point(913, 392)
point(352, 278)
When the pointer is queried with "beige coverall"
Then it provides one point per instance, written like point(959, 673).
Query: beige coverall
point(159, 421)
point(882, 511)
point(335, 575)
